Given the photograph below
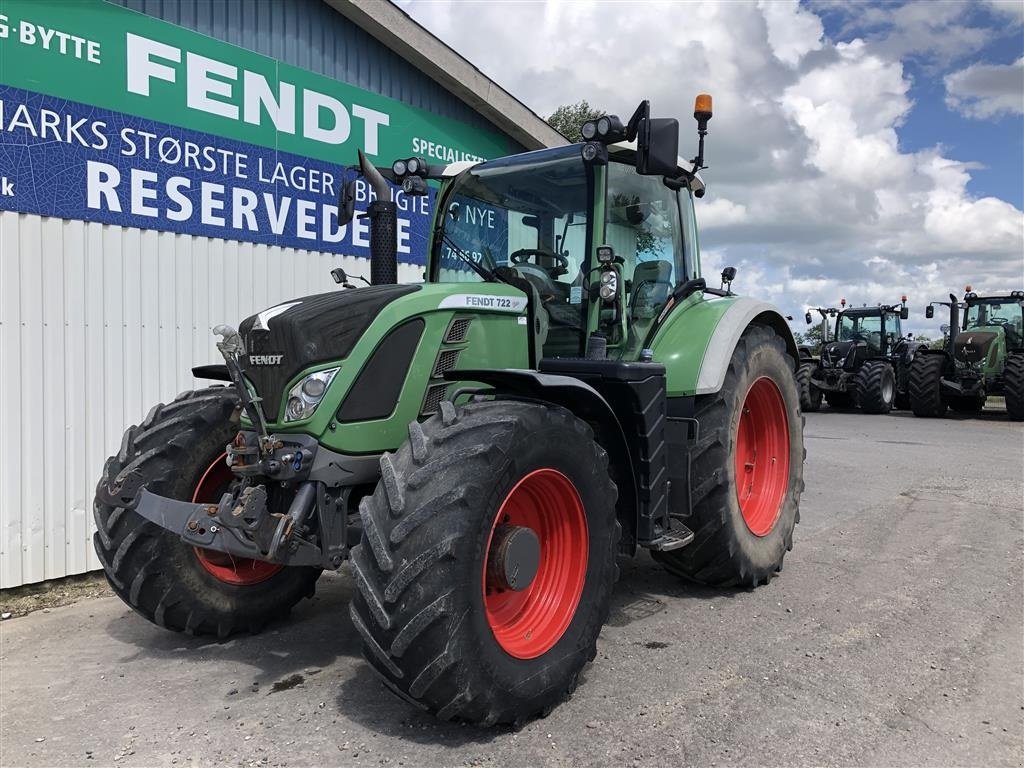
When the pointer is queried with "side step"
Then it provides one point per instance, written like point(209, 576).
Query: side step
point(676, 537)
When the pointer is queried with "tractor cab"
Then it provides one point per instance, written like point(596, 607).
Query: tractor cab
point(863, 333)
point(598, 247)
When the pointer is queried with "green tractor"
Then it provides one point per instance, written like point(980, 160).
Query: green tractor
point(982, 356)
point(866, 362)
point(563, 388)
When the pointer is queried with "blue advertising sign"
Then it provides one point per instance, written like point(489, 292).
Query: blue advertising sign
point(61, 158)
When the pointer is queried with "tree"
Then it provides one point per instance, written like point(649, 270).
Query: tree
point(568, 118)
point(811, 337)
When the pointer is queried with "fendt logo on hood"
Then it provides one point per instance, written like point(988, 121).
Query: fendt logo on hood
point(265, 359)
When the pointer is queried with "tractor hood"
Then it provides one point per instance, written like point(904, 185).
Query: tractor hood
point(287, 338)
point(834, 352)
point(974, 345)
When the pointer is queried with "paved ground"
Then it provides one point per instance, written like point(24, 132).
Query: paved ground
point(893, 637)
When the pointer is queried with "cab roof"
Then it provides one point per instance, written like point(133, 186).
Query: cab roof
point(621, 151)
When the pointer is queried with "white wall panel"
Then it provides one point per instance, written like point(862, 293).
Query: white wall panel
point(98, 323)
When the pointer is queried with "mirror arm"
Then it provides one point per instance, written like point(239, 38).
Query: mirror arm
point(642, 111)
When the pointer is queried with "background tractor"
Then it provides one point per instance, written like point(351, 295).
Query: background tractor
point(983, 355)
point(864, 361)
point(564, 388)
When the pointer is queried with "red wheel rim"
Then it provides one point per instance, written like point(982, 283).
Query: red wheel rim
point(527, 623)
point(240, 571)
point(762, 456)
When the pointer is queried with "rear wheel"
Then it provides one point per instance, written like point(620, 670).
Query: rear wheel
point(876, 387)
point(924, 385)
point(179, 449)
point(747, 470)
point(1013, 385)
point(487, 560)
point(810, 395)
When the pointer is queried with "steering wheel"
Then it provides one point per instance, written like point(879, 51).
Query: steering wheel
point(523, 254)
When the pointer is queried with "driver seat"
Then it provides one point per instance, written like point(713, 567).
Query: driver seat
point(652, 284)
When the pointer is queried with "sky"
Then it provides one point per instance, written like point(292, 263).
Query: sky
point(858, 150)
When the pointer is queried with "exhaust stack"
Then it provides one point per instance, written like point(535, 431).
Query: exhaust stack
point(383, 214)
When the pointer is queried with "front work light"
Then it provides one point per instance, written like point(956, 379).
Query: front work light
point(595, 153)
point(306, 395)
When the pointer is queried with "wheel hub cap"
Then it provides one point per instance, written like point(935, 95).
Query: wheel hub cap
point(513, 558)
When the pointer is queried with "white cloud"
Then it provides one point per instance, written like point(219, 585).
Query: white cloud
point(810, 194)
point(1014, 9)
point(987, 90)
point(792, 32)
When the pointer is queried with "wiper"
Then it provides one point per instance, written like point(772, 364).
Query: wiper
point(486, 274)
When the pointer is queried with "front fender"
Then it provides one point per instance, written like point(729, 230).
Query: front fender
point(586, 403)
point(696, 342)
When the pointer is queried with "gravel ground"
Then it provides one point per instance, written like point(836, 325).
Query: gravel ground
point(893, 637)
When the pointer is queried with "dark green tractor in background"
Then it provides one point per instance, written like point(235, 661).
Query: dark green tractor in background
point(983, 355)
point(864, 361)
point(563, 388)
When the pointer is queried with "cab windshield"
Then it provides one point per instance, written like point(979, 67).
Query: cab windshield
point(529, 218)
point(1001, 312)
point(860, 328)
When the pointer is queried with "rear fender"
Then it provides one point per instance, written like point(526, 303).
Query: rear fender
point(588, 404)
point(697, 342)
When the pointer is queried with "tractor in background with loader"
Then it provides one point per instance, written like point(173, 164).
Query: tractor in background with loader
point(864, 364)
point(983, 355)
point(563, 389)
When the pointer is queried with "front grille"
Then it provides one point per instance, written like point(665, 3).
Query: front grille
point(432, 400)
point(457, 330)
point(446, 361)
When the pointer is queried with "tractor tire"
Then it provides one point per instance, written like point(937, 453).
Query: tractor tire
point(179, 448)
point(924, 385)
point(747, 470)
point(876, 387)
point(966, 404)
point(437, 621)
point(810, 395)
point(839, 400)
point(1013, 385)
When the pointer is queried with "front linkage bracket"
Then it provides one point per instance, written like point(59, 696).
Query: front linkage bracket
point(240, 524)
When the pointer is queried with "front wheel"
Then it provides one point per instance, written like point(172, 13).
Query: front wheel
point(876, 387)
point(924, 385)
point(487, 560)
point(1013, 385)
point(810, 395)
point(747, 470)
point(179, 449)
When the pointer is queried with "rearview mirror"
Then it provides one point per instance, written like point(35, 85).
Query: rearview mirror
point(346, 203)
point(929, 311)
point(657, 146)
point(807, 317)
point(904, 313)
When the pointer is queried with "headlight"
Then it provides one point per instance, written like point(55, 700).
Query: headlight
point(306, 395)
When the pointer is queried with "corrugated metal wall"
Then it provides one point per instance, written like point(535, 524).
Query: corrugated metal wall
point(97, 324)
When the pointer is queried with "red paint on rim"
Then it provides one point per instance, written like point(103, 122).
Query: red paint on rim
point(239, 571)
point(529, 622)
point(762, 456)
